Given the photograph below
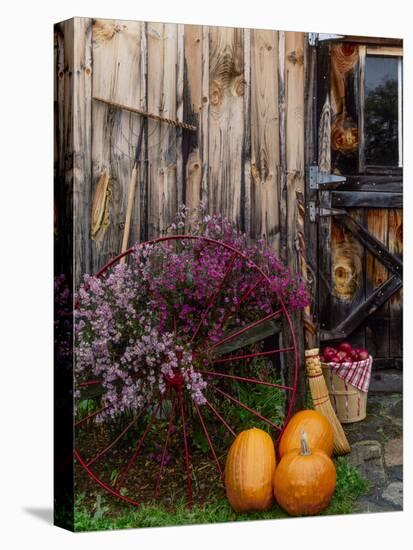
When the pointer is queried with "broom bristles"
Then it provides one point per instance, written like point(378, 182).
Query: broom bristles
point(321, 400)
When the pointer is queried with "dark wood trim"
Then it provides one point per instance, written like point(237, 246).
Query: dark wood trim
point(310, 228)
point(360, 77)
point(371, 169)
point(382, 184)
point(360, 199)
point(380, 295)
point(373, 245)
point(371, 40)
point(324, 226)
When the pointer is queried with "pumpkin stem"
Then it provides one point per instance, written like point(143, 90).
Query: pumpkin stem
point(305, 449)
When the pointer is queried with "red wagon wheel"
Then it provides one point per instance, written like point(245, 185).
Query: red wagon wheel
point(227, 363)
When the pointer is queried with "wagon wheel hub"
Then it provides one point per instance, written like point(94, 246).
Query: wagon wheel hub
point(175, 381)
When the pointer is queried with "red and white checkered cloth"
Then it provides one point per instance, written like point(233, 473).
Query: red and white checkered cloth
point(357, 374)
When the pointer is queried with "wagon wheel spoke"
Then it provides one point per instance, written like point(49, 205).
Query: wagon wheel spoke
point(112, 444)
point(240, 302)
point(219, 416)
point(89, 383)
point(246, 407)
point(187, 460)
point(244, 379)
point(211, 446)
point(91, 415)
point(124, 473)
point(214, 296)
point(232, 358)
point(164, 450)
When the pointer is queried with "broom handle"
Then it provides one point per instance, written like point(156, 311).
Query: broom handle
point(310, 330)
point(131, 197)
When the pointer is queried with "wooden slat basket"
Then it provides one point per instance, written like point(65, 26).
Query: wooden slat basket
point(349, 402)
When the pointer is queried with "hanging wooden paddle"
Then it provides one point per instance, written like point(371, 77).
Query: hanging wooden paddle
point(134, 174)
point(131, 193)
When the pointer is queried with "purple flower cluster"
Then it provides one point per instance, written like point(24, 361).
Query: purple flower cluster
point(144, 322)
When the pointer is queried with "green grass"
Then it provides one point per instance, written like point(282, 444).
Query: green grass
point(350, 486)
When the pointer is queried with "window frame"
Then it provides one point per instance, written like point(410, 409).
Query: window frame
point(385, 51)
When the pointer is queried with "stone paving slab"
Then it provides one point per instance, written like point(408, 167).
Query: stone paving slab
point(393, 452)
point(377, 446)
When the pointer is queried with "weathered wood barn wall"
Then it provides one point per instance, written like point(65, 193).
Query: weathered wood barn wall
point(243, 90)
point(260, 100)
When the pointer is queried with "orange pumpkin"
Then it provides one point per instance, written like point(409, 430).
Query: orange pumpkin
point(304, 481)
point(249, 471)
point(317, 427)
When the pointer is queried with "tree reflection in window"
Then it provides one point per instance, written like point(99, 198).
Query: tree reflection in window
point(381, 111)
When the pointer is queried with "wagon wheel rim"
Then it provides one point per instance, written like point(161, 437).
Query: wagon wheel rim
point(213, 373)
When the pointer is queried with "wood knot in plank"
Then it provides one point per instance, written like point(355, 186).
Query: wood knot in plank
point(216, 93)
point(346, 265)
point(103, 31)
point(296, 56)
point(238, 86)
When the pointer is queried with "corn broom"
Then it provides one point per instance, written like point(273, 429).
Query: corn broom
point(321, 400)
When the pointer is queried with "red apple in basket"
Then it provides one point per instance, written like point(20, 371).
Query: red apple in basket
point(346, 347)
point(342, 357)
point(329, 353)
point(362, 355)
point(353, 355)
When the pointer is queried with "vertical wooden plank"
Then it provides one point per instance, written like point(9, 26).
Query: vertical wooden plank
point(286, 365)
point(246, 152)
point(118, 75)
point(180, 63)
point(226, 121)
point(82, 144)
point(294, 84)
point(395, 245)
point(295, 210)
point(162, 139)
point(192, 105)
point(265, 153)
point(377, 326)
point(204, 121)
point(282, 146)
point(142, 206)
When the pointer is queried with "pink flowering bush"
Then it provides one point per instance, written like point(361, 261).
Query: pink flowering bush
point(142, 324)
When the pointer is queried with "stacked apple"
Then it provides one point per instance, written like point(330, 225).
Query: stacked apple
point(343, 353)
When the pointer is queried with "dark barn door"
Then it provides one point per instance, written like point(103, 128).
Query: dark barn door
point(355, 186)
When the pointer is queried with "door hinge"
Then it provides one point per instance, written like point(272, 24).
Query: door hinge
point(315, 212)
point(315, 37)
point(318, 179)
